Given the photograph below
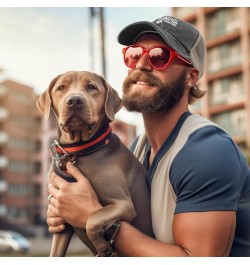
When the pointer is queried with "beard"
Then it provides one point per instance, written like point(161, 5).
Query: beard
point(167, 96)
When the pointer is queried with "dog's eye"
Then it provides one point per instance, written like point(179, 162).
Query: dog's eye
point(91, 87)
point(61, 87)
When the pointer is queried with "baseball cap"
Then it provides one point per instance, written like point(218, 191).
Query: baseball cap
point(179, 35)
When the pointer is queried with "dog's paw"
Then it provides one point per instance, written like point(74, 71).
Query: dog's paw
point(108, 252)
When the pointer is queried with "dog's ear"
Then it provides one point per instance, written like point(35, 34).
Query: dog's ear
point(113, 102)
point(44, 101)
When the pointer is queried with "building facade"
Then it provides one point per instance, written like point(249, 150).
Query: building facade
point(226, 31)
point(20, 155)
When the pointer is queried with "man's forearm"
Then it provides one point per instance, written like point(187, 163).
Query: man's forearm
point(129, 242)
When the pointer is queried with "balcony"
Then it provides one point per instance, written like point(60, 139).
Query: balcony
point(3, 113)
point(3, 210)
point(3, 138)
point(222, 22)
point(3, 162)
point(3, 186)
point(3, 91)
point(234, 122)
point(226, 91)
point(224, 56)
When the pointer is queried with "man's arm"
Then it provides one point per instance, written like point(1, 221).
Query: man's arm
point(195, 233)
point(207, 234)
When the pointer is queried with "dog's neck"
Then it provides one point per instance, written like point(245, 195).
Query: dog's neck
point(101, 138)
point(63, 153)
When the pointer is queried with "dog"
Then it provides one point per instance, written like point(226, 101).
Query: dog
point(84, 105)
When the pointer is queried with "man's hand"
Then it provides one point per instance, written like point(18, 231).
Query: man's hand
point(70, 202)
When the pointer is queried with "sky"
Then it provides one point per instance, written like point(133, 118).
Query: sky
point(39, 39)
point(38, 43)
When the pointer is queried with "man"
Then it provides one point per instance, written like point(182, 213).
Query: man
point(199, 179)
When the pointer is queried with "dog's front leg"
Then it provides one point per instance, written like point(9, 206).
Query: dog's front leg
point(99, 220)
point(60, 242)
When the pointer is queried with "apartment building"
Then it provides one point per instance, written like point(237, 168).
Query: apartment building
point(20, 155)
point(226, 31)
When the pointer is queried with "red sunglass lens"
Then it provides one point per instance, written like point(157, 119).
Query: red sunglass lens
point(132, 56)
point(159, 57)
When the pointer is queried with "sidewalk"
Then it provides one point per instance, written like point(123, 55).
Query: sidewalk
point(41, 247)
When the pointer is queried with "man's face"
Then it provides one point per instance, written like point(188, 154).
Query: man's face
point(148, 90)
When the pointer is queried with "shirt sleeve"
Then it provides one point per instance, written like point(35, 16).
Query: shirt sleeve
point(206, 174)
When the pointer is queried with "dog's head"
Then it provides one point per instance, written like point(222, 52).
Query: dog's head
point(82, 102)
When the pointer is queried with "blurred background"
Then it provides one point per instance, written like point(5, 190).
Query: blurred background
point(37, 44)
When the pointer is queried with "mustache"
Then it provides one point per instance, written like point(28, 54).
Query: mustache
point(146, 77)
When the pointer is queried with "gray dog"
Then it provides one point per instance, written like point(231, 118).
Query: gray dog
point(84, 105)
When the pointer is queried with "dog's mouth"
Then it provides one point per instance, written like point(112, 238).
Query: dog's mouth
point(76, 124)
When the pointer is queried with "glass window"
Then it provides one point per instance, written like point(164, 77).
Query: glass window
point(233, 122)
point(214, 61)
point(223, 21)
point(226, 91)
point(37, 167)
point(16, 166)
point(20, 98)
point(18, 190)
point(224, 56)
point(14, 212)
point(232, 19)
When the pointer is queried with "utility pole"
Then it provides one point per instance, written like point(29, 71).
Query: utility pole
point(101, 17)
point(92, 14)
point(91, 38)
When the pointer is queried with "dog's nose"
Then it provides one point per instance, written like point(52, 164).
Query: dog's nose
point(74, 102)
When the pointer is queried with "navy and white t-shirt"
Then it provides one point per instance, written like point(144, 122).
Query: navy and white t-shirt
point(208, 172)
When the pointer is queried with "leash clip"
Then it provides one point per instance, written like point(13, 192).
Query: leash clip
point(55, 153)
point(61, 160)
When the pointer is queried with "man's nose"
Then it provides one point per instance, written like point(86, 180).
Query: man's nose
point(144, 64)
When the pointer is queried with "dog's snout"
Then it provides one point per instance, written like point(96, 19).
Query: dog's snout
point(75, 102)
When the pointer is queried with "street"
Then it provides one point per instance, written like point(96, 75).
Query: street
point(40, 246)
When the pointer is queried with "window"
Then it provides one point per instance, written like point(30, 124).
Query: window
point(224, 56)
point(223, 21)
point(14, 212)
point(226, 91)
point(20, 97)
point(18, 190)
point(16, 166)
point(37, 190)
point(19, 144)
point(3, 90)
point(37, 146)
point(214, 61)
point(22, 121)
point(37, 167)
point(233, 122)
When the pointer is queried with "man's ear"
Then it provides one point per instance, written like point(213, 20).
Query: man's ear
point(113, 102)
point(192, 77)
point(44, 101)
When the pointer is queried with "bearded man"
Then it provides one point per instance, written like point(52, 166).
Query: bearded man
point(198, 177)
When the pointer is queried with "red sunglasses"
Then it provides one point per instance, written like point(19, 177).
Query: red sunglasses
point(159, 57)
